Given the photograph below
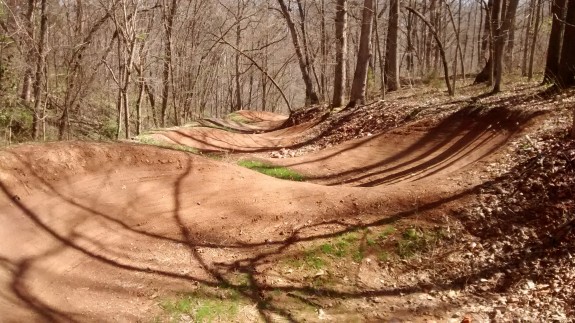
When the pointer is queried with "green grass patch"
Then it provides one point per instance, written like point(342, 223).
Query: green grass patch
point(204, 306)
point(387, 231)
point(414, 241)
point(271, 170)
point(313, 259)
point(383, 256)
point(234, 116)
point(346, 246)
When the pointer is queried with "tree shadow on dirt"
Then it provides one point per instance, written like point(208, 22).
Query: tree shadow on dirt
point(252, 261)
point(452, 141)
point(215, 273)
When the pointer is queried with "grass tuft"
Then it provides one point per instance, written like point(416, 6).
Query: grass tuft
point(271, 170)
point(414, 241)
point(203, 306)
point(234, 116)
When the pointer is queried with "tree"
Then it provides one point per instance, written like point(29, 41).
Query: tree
point(37, 115)
point(340, 73)
point(534, 41)
point(391, 48)
point(439, 45)
point(29, 22)
point(567, 59)
point(501, 36)
point(491, 25)
point(310, 94)
point(360, 75)
point(168, 13)
point(555, 41)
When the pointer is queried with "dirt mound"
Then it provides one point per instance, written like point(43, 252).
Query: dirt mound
point(210, 139)
point(93, 231)
point(319, 128)
point(259, 116)
point(246, 121)
point(413, 152)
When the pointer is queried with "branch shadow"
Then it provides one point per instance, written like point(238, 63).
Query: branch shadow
point(212, 272)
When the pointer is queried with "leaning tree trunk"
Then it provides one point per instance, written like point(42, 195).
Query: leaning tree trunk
point(310, 94)
point(360, 75)
point(340, 73)
point(439, 44)
point(554, 47)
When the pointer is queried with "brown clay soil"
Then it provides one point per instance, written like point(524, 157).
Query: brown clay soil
point(246, 121)
point(107, 231)
point(219, 140)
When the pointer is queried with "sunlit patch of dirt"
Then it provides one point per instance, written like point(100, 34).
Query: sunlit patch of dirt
point(443, 209)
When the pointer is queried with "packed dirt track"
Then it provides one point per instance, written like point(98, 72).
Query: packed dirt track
point(219, 140)
point(414, 152)
point(102, 231)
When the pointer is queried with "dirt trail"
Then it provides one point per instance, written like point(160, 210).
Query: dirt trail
point(210, 139)
point(95, 232)
point(248, 121)
point(412, 152)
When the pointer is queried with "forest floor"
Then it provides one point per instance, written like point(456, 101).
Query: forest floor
point(417, 208)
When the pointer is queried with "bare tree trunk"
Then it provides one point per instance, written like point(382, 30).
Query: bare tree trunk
point(495, 25)
point(26, 92)
point(440, 46)
point(168, 25)
point(310, 94)
point(40, 66)
point(139, 107)
point(127, 81)
point(357, 94)
point(509, 57)
point(309, 59)
point(526, 38)
point(391, 48)
point(567, 60)
point(488, 72)
point(379, 54)
point(573, 126)
point(481, 37)
point(534, 41)
point(555, 41)
point(340, 75)
point(238, 86)
point(429, 36)
point(501, 35)
point(458, 50)
point(323, 49)
point(262, 70)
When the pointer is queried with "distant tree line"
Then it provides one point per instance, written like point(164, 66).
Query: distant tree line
point(115, 68)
